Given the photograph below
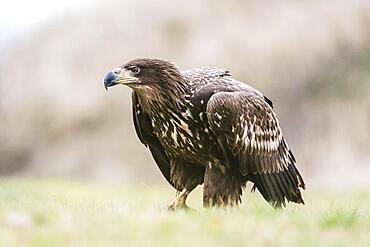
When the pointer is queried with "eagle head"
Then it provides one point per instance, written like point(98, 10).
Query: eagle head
point(144, 73)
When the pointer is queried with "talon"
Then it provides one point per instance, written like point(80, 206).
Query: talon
point(179, 202)
point(174, 206)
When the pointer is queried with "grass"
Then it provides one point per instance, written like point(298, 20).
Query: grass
point(63, 213)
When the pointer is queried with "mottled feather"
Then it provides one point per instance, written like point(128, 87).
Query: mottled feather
point(201, 125)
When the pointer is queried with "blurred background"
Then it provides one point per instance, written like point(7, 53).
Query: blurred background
point(311, 58)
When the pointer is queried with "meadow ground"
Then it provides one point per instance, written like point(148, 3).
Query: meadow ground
point(64, 213)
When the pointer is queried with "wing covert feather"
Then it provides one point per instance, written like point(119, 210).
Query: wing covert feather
point(250, 136)
point(251, 129)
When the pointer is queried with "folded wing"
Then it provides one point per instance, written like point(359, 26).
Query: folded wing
point(145, 133)
point(249, 134)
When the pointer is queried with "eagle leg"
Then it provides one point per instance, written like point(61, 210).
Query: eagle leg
point(180, 201)
point(185, 176)
point(222, 187)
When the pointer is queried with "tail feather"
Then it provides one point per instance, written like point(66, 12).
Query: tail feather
point(277, 188)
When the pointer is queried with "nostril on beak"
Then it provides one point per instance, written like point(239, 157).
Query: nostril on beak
point(116, 71)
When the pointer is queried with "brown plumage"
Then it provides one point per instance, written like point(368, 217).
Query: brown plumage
point(202, 126)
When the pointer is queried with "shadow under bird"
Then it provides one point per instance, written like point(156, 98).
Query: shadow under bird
point(203, 126)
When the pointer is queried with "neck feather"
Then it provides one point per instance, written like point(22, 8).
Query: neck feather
point(161, 97)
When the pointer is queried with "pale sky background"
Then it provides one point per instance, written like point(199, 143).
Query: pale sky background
point(303, 53)
point(18, 16)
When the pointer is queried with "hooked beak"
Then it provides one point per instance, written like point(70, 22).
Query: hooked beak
point(118, 76)
point(110, 80)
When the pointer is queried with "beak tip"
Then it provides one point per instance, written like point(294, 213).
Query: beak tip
point(109, 80)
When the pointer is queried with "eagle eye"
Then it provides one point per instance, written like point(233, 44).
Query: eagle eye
point(135, 70)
